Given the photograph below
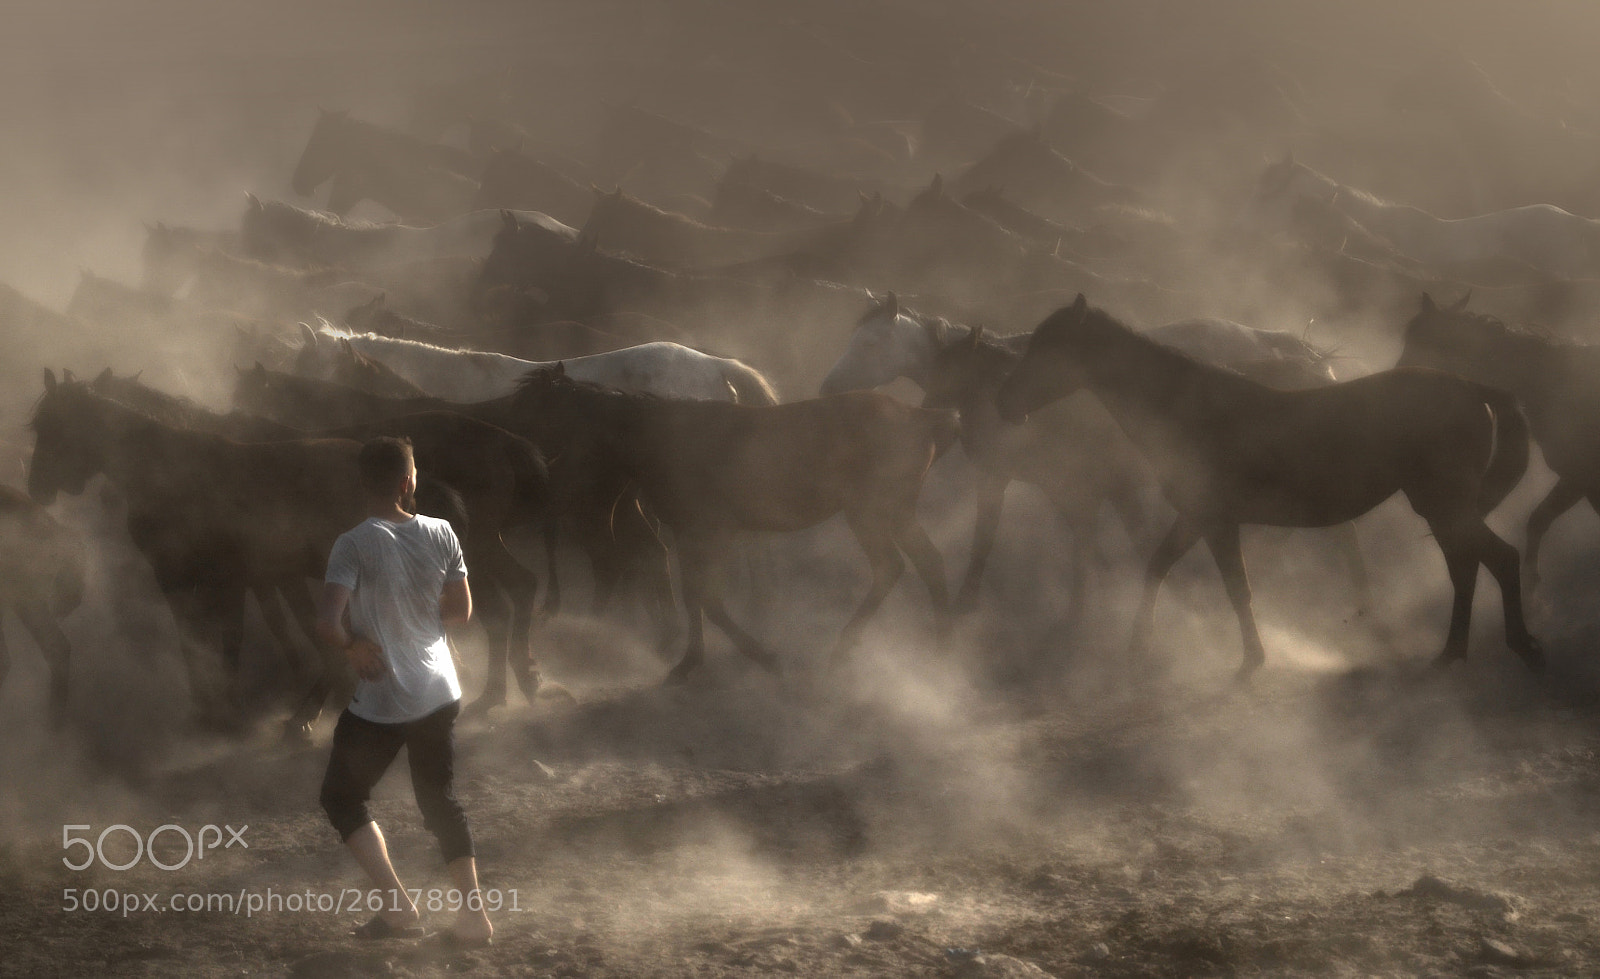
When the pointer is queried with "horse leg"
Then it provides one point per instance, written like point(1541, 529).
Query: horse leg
point(655, 573)
point(1563, 496)
point(717, 612)
point(1175, 545)
point(692, 561)
point(929, 565)
point(991, 499)
point(5, 655)
point(277, 623)
point(1225, 550)
point(332, 675)
point(227, 617)
point(492, 610)
point(887, 566)
point(46, 632)
point(1501, 559)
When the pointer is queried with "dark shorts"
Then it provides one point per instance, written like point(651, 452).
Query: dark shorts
point(363, 750)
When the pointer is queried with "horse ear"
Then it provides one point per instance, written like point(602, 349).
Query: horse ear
point(1461, 304)
point(891, 305)
point(560, 370)
point(49, 381)
point(259, 368)
point(937, 187)
point(508, 220)
point(66, 376)
point(1080, 307)
point(105, 377)
point(1428, 304)
point(973, 336)
point(136, 374)
point(254, 202)
point(308, 334)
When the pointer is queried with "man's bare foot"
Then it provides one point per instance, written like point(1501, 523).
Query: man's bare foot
point(472, 928)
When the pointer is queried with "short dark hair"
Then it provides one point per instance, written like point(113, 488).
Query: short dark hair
point(384, 463)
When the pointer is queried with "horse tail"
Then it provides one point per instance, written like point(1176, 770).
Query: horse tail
point(531, 473)
point(437, 498)
point(749, 387)
point(1510, 458)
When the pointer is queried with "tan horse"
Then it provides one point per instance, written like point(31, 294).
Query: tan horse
point(1229, 451)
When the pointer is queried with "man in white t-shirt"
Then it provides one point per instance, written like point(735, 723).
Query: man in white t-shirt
point(401, 577)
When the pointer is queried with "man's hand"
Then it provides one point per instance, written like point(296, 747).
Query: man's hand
point(366, 658)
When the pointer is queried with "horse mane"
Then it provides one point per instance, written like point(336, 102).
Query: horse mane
point(1103, 322)
point(1528, 333)
point(604, 394)
point(316, 218)
point(627, 200)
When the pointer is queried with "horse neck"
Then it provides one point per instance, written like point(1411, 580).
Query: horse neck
point(137, 451)
point(1153, 391)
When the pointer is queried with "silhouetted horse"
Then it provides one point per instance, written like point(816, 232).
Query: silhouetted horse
point(500, 477)
point(1557, 381)
point(41, 581)
point(214, 517)
point(709, 470)
point(600, 510)
point(417, 180)
point(512, 180)
point(1228, 451)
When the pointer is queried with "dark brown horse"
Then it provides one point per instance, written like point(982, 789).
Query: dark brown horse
point(214, 517)
point(710, 470)
point(1557, 381)
point(500, 477)
point(41, 581)
point(1228, 451)
point(598, 510)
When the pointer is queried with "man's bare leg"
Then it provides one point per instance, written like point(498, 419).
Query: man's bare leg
point(472, 921)
point(372, 853)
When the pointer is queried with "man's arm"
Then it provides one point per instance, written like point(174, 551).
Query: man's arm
point(366, 657)
point(455, 602)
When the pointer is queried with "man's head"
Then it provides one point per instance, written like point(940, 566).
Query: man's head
point(388, 470)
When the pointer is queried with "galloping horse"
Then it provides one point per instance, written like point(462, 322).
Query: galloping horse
point(1229, 451)
point(1557, 381)
point(417, 180)
point(709, 470)
point(1537, 238)
point(500, 477)
point(41, 582)
point(601, 511)
point(1074, 454)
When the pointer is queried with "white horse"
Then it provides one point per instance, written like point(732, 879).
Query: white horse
point(891, 342)
point(1539, 238)
point(668, 370)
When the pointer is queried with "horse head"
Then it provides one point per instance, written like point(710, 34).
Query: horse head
point(324, 152)
point(1047, 370)
point(68, 439)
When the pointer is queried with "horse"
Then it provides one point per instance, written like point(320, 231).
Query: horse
point(666, 239)
point(169, 253)
point(418, 180)
point(708, 470)
point(662, 368)
point(891, 341)
point(601, 512)
point(334, 359)
point(275, 231)
point(1535, 240)
point(1553, 378)
point(1042, 178)
point(1229, 451)
point(512, 180)
point(41, 581)
point(215, 518)
point(501, 478)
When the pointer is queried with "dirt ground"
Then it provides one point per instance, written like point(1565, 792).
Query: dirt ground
point(906, 820)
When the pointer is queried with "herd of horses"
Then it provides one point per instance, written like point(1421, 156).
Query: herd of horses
point(559, 355)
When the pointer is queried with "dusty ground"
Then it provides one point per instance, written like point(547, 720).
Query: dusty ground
point(1379, 821)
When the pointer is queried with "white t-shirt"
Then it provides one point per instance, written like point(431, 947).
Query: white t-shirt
point(396, 573)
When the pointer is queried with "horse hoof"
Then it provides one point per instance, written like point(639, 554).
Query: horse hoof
point(678, 676)
point(529, 683)
point(1446, 659)
point(297, 732)
point(1532, 653)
